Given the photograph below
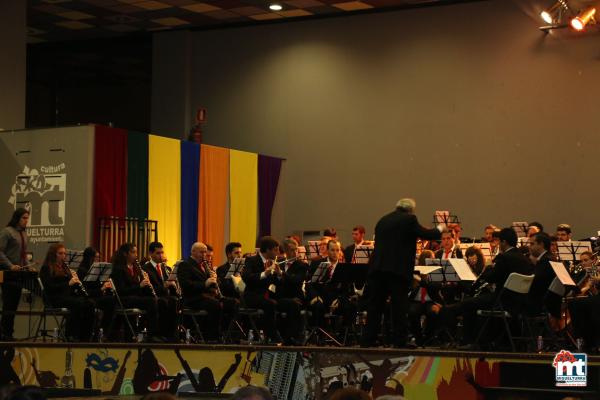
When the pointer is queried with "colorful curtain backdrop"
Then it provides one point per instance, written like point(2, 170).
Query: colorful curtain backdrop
point(212, 208)
point(164, 193)
point(137, 174)
point(269, 169)
point(110, 174)
point(190, 175)
point(243, 197)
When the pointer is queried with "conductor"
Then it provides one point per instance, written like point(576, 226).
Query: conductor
point(391, 270)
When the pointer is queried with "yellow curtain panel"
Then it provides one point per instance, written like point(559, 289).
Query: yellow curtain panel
point(164, 193)
point(243, 197)
point(212, 207)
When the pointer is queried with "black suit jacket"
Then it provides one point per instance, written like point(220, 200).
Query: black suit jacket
point(505, 264)
point(396, 237)
point(192, 279)
point(157, 283)
point(126, 284)
point(226, 285)
point(251, 276)
point(544, 275)
point(329, 289)
point(293, 277)
point(349, 252)
point(456, 253)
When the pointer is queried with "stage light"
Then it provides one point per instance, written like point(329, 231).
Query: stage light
point(275, 7)
point(584, 18)
point(554, 14)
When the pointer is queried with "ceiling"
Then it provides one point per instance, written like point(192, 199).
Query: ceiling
point(58, 20)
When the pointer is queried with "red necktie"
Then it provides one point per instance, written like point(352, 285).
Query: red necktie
point(23, 249)
point(159, 271)
point(423, 294)
point(448, 253)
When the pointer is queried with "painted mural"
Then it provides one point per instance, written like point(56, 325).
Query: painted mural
point(289, 375)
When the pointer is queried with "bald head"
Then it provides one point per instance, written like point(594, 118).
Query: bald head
point(199, 250)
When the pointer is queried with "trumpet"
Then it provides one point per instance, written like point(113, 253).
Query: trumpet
point(78, 286)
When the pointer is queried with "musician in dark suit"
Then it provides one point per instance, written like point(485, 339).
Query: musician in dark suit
point(358, 237)
point(334, 290)
point(290, 295)
point(13, 257)
point(61, 290)
point(200, 291)
point(158, 273)
point(133, 288)
point(539, 249)
point(233, 250)
point(391, 270)
point(260, 272)
point(509, 260)
point(448, 248)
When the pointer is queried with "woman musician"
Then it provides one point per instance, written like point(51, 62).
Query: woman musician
point(133, 286)
point(62, 288)
point(100, 292)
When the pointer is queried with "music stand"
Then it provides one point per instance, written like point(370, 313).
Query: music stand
point(236, 267)
point(444, 217)
point(485, 248)
point(74, 258)
point(571, 251)
point(523, 241)
point(313, 248)
point(445, 274)
point(520, 227)
point(98, 272)
point(320, 272)
point(362, 253)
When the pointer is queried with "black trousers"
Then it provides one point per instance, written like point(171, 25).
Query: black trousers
point(80, 321)
point(107, 304)
point(468, 310)
point(416, 309)
point(268, 306)
point(167, 312)
point(212, 328)
point(11, 294)
point(291, 327)
point(585, 320)
point(149, 305)
point(381, 286)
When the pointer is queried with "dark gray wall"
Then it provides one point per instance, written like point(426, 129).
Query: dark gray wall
point(468, 108)
point(13, 41)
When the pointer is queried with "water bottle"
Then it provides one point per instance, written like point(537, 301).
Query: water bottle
point(250, 337)
point(540, 344)
point(100, 335)
point(579, 344)
point(261, 336)
point(55, 334)
point(188, 336)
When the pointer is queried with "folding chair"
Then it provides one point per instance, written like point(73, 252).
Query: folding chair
point(58, 313)
point(516, 283)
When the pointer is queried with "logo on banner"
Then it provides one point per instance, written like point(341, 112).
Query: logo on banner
point(43, 193)
point(570, 368)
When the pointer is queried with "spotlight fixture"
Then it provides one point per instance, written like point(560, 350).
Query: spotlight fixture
point(275, 7)
point(584, 18)
point(554, 14)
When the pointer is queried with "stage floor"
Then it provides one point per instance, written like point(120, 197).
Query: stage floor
point(128, 370)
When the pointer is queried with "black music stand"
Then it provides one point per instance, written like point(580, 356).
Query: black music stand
point(236, 267)
point(362, 254)
point(444, 217)
point(520, 228)
point(313, 248)
point(74, 258)
point(571, 251)
point(320, 272)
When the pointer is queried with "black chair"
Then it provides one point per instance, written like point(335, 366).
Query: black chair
point(59, 314)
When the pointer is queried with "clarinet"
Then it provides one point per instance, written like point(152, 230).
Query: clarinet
point(213, 274)
point(78, 287)
point(145, 276)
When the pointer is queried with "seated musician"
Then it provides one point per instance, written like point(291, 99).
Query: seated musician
point(475, 259)
point(563, 233)
point(158, 273)
point(539, 249)
point(333, 291)
point(100, 292)
point(425, 301)
point(233, 250)
point(583, 309)
point(488, 233)
point(134, 288)
point(449, 248)
point(260, 272)
point(62, 288)
point(290, 294)
point(13, 257)
point(200, 290)
point(509, 260)
point(358, 237)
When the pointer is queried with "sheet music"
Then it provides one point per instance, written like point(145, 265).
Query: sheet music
point(99, 272)
point(571, 251)
point(362, 253)
point(462, 269)
point(426, 269)
point(236, 267)
point(320, 271)
point(441, 217)
point(562, 274)
point(520, 227)
point(74, 258)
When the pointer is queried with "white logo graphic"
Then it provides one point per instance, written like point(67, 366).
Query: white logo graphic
point(571, 368)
